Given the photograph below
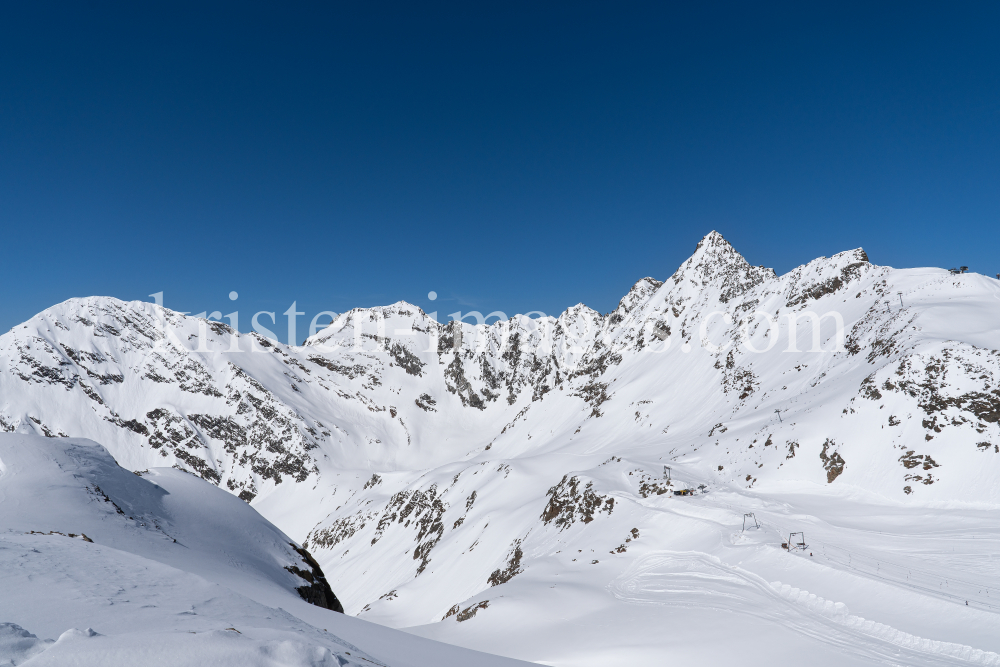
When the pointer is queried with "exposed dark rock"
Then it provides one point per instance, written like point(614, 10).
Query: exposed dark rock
point(426, 403)
point(425, 510)
point(568, 503)
point(511, 569)
point(911, 460)
point(317, 591)
point(792, 446)
point(458, 384)
point(833, 463)
point(342, 529)
point(405, 359)
point(471, 610)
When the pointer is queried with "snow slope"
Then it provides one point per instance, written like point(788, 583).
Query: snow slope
point(446, 476)
point(156, 569)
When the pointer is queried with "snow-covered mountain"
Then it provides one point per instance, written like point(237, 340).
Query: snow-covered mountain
point(460, 478)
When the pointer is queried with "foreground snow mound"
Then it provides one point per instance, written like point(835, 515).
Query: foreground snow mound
point(74, 488)
point(227, 648)
point(17, 644)
point(161, 569)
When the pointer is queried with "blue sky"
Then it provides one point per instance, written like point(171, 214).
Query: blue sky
point(509, 156)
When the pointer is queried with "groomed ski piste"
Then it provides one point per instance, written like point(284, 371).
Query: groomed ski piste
point(875, 584)
point(512, 487)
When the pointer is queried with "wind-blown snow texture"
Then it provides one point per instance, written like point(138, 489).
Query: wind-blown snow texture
point(504, 486)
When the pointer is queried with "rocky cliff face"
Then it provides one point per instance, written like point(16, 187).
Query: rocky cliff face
point(389, 433)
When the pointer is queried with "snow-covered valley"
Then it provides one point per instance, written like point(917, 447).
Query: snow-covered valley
point(511, 487)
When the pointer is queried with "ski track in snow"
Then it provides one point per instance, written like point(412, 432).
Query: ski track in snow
point(703, 581)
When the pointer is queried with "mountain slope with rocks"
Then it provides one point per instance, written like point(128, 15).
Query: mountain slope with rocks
point(450, 477)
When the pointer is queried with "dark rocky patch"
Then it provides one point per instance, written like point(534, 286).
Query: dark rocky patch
point(511, 569)
point(847, 274)
point(833, 462)
point(927, 385)
point(425, 510)
point(342, 529)
point(457, 383)
point(792, 446)
point(426, 403)
point(869, 390)
point(471, 610)
point(351, 372)
point(405, 359)
point(224, 429)
point(740, 380)
point(317, 591)
point(569, 504)
point(911, 460)
point(468, 505)
point(595, 394)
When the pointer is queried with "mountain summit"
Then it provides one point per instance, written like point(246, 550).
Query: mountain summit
point(715, 263)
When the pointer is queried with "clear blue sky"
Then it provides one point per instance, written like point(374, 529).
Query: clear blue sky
point(509, 156)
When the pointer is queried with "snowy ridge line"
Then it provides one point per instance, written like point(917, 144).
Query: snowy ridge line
point(967, 593)
point(838, 613)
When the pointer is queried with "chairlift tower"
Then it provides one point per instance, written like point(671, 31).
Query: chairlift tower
point(797, 544)
point(753, 521)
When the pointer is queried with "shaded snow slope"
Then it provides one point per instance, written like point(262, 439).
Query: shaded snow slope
point(74, 487)
point(160, 569)
point(440, 473)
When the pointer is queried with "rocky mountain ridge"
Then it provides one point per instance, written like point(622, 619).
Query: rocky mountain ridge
point(397, 447)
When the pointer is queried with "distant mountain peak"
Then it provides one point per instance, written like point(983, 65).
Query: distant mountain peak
point(716, 262)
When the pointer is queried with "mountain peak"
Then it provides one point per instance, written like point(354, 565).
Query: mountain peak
point(713, 240)
point(716, 262)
